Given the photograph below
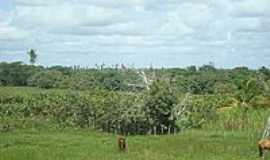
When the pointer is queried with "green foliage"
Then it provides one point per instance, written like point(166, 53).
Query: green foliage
point(115, 100)
point(232, 119)
point(102, 99)
point(192, 69)
point(208, 67)
point(16, 73)
point(199, 110)
point(45, 79)
point(247, 90)
point(198, 84)
point(224, 88)
point(205, 80)
point(159, 105)
point(266, 73)
point(79, 81)
point(117, 112)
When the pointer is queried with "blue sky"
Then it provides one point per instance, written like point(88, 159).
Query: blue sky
point(140, 33)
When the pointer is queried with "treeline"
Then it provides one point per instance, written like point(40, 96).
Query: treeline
point(196, 80)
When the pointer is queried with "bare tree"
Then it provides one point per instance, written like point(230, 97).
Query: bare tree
point(147, 81)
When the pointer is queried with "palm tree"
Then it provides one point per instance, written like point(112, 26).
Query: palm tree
point(33, 56)
point(247, 91)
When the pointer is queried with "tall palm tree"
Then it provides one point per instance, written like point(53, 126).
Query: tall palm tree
point(33, 56)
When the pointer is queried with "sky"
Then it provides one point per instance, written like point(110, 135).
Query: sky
point(138, 33)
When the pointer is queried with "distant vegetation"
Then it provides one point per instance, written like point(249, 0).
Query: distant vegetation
point(130, 101)
point(195, 80)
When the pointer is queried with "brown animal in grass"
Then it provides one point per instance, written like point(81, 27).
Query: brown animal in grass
point(263, 145)
point(122, 144)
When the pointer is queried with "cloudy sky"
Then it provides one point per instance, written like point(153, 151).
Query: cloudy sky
point(161, 33)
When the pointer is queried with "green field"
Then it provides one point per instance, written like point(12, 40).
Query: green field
point(39, 135)
point(89, 145)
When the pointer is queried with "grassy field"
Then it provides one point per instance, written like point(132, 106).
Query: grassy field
point(73, 144)
point(39, 137)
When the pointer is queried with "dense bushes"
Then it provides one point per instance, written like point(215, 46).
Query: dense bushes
point(16, 73)
point(159, 106)
point(154, 111)
point(46, 79)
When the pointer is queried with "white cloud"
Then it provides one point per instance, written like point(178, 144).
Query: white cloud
point(8, 32)
point(195, 15)
point(34, 3)
point(138, 27)
point(114, 3)
point(252, 8)
point(58, 16)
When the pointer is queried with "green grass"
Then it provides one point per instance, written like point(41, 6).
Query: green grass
point(39, 138)
point(88, 145)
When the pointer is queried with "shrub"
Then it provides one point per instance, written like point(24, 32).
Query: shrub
point(159, 104)
point(45, 79)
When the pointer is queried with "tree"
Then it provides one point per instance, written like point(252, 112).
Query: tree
point(198, 84)
point(159, 106)
point(265, 73)
point(15, 73)
point(33, 56)
point(192, 69)
point(208, 67)
point(45, 79)
point(247, 91)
